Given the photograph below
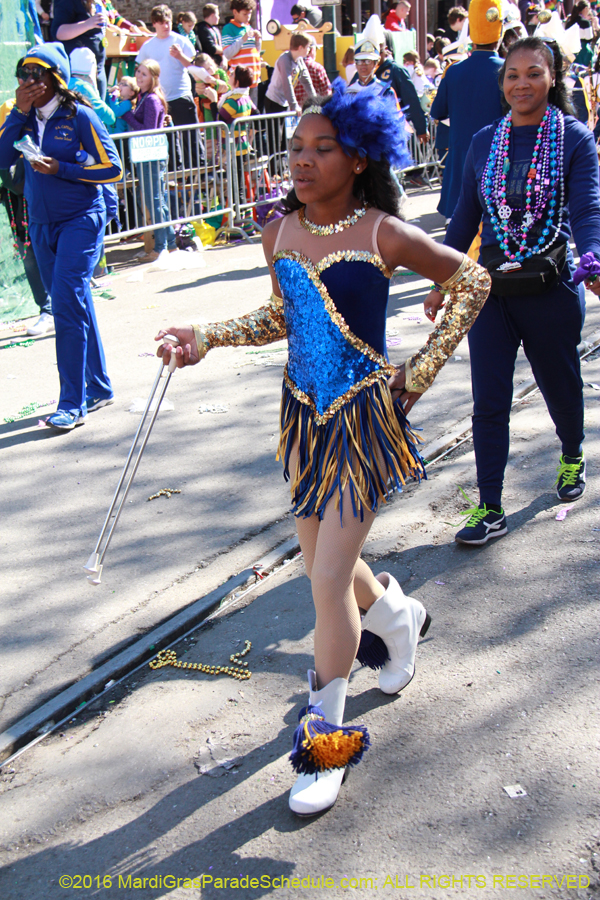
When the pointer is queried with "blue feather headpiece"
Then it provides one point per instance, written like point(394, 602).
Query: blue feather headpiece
point(368, 123)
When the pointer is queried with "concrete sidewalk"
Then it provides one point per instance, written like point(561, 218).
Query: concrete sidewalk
point(179, 775)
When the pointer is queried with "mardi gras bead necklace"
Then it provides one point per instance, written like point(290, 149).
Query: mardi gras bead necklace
point(239, 670)
point(544, 188)
point(13, 227)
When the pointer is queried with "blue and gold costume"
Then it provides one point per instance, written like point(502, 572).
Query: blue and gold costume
point(336, 408)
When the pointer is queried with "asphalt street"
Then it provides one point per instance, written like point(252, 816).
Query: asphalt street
point(179, 775)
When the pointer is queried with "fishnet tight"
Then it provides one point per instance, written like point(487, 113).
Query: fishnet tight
point(340, 582)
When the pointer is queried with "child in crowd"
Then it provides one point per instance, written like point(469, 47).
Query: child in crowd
point(396, 17)
point(122, 100)
point(149, 114)
point(185, 26)
point(290, 69)
point(209, 35)
point(241, 42)
point(83, 82)
point(438, 48)
point(237, 104)
point(433, 72)
point(211, 82)
point(412, 64)
point(456, 19)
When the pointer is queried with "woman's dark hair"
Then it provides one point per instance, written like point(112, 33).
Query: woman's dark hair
point(375, 186)
point(558, 95)
point(577, 9)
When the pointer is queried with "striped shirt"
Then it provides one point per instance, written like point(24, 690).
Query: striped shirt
point(248, 54)
point(237, 105)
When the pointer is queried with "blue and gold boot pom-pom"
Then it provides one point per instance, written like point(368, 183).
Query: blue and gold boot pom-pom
point(319, 746)
point(372, 651)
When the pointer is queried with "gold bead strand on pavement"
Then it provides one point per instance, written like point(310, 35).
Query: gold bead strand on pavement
point(165, 492)
point(239, 671)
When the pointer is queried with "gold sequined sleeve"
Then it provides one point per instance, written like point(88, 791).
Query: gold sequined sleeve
point(263, 326)
point(468, 288)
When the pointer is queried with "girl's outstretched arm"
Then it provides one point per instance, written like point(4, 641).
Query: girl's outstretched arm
point(467, 283)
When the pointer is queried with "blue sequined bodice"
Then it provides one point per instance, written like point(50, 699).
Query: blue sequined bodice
point(328, 360)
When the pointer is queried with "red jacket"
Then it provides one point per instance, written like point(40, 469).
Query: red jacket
point(393, 23)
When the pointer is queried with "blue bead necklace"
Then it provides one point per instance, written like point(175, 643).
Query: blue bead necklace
point(544, 188)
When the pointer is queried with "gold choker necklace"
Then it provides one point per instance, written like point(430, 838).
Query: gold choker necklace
point(323, 230)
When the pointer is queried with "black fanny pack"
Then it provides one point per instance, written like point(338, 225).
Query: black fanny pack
point(535, 275)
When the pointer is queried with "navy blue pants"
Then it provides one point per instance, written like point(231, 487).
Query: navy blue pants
point(549, 327)
point(67, 253)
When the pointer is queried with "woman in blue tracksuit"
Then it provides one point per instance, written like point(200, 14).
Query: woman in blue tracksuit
point(67, 217)
point(531, 179)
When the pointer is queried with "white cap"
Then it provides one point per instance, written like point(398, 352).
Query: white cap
point(366, 50)
point(83, 61)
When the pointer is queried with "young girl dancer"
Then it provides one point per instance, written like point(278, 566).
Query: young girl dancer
point(345, 442)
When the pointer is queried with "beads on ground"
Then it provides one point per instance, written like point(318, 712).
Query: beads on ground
point(169, 658)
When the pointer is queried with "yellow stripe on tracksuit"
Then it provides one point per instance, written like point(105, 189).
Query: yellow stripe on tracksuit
point(104, 163)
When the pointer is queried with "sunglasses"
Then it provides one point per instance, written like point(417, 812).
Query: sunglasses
point(26, 72)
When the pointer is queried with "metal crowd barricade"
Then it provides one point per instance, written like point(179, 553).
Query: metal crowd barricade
point(425, 158)
point(260, 166)
point(174, 175)
point(230, 175)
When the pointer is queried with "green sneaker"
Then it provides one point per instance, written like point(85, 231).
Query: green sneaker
point(570, 483)
point(483, 525)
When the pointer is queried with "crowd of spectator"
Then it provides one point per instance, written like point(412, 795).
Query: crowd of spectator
point(190, 71)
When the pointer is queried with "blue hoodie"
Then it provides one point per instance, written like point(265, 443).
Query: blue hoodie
point(74, 190)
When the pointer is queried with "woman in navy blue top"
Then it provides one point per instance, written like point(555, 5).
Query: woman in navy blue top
point(531, 180)
point(82, 23)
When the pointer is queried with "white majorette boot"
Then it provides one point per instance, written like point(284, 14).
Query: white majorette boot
point(391, 629)
point(323, 748)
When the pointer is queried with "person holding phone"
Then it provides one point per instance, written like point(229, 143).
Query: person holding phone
point(67, 218)
point(83, 23)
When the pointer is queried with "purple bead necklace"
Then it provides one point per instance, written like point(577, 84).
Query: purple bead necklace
point(544, 188)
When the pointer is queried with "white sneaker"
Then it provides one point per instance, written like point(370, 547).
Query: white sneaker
point(44, 325)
